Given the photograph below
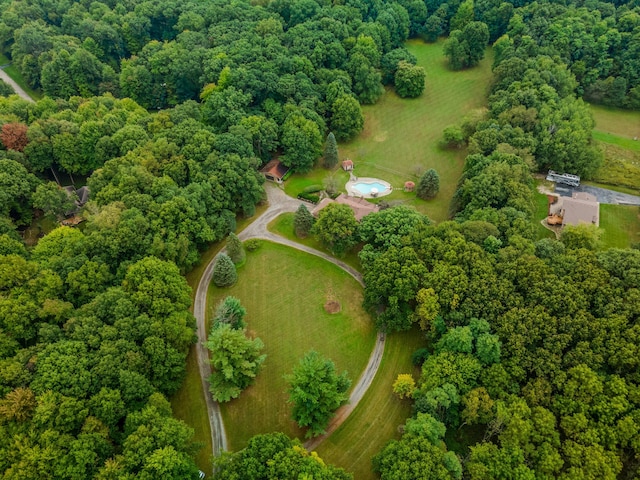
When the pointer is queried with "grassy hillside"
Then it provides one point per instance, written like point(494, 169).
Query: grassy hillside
point(284, 292)
point(401, 137)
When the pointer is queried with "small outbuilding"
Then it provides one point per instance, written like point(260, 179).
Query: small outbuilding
point(347, 165)
point(275, 171)
point(409, 186)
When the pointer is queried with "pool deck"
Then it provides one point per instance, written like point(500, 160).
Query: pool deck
point(354, 192)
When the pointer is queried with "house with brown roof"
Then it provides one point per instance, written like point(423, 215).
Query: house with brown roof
point(275, 171)
point(359, 206)
point(580, 208)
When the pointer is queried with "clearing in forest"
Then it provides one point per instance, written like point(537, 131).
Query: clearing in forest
point(285, 292)
point(401, 137)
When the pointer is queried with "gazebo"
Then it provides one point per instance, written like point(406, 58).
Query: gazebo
point(347, 165)
point(409, 186)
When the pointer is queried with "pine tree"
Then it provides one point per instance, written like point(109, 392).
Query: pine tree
point(330, 151)
point(235, 250)
point(230, 311)
point(429, 184)
point(303, 221)
point(224, 271)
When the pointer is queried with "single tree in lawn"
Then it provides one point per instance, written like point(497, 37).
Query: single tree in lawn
point(230, 311)
point(330, 152)
point(236, 360)
point(429, 184)
point(409, 80)
point(235, 250)
point(303, 221)
point(316, 391)
point(224, 271)
point(337, 228)
point(404, 386)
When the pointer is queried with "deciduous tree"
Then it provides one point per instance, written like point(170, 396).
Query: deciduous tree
point(337, 228)
point(235, 359)
point(14, 136)
point(316, 391)
point(409, 80)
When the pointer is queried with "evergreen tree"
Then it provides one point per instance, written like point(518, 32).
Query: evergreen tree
point(330, 151)
point(235, 250)
point(224, 271)
point(303, 221)
point(230, 311)
point(429, 184)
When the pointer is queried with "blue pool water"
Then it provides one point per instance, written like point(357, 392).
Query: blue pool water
point(365, 188)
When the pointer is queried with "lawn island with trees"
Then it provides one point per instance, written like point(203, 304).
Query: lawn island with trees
point(523, 350)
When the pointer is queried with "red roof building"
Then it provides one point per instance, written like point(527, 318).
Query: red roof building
point(274, 171)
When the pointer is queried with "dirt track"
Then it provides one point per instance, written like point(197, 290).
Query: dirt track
point(279, 203)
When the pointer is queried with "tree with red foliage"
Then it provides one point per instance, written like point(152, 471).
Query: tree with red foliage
point(14, 136)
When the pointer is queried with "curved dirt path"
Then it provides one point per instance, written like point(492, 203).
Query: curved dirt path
point(279, 203)
point(21, 93)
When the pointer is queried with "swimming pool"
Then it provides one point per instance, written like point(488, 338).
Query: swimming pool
point(368, 187)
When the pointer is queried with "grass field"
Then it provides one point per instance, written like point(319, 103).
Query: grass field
point(402, 136)
point(616, 133)
point(376, 419)
point(617, 122)
point(284, 292)
point(621, 225)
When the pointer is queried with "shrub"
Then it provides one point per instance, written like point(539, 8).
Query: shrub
point(311, 197)
point(312, 189)
point(252, 244)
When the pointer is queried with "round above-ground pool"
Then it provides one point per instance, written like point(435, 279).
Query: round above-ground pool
point(368, 187)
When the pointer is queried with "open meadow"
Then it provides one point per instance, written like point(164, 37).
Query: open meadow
point(616, 133)
point(284, 292)
point(401, 137)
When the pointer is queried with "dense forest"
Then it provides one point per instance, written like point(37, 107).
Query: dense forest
point(168, 109)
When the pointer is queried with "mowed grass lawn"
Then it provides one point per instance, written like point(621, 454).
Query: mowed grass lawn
point(402, 136)
point(621, 225)
point(376, 419)
point(284, 292)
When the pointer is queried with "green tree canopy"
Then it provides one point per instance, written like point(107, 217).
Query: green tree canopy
point(235, 359)
point(337, 228)
point(316, 391)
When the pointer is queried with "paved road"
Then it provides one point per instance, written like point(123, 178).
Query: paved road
point(279, 203)
point(603, 195)
point(14, 85)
